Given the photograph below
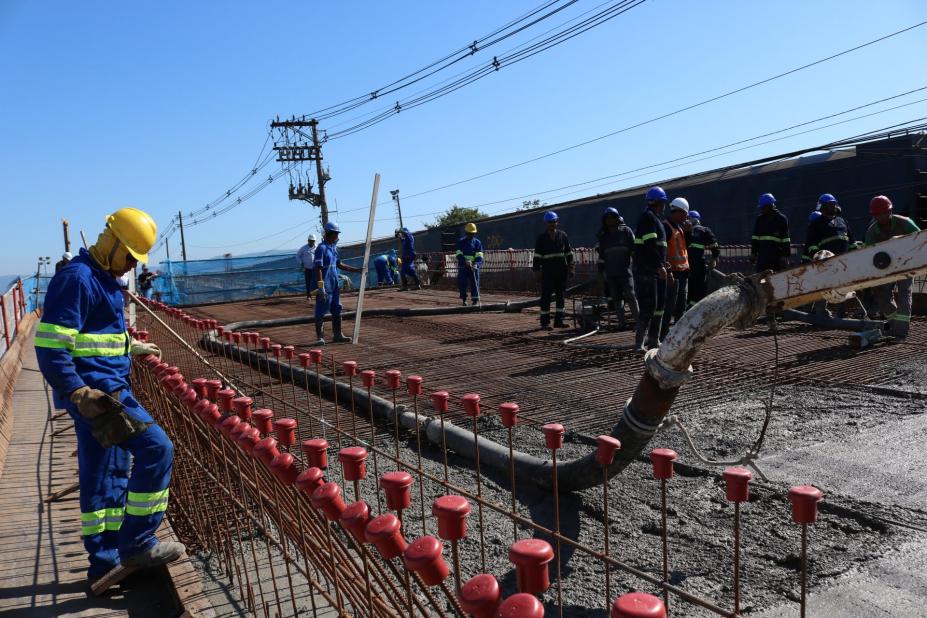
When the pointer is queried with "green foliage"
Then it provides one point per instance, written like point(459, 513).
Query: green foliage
point(457, 215)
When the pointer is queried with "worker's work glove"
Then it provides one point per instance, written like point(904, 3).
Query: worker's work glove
point(321, 291)
point(470, 265)
point(92, 403)
point(142, 348)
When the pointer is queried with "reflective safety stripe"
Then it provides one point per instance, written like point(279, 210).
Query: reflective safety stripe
point(696, 245)
point(646, 237)
point(545, 313)
point(830, 238)
point(142, 504)
point(658, 313)
point(713, 246)
point(54, 336)
point(661, 243)
point(473, 258)
point(773, 238)
point(100, 344)
point(899, 317)
point(458, 252)
point(96, 522)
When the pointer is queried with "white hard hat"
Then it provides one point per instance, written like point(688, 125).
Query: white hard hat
point(311, 237)
point(680, 203)
point(67, 255)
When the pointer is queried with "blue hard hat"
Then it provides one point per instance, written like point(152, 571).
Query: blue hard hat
point(655, 194)
point(550, 216)
point(405, 230)
point(814, 216)
point(767, 199)
point(694, 214)
point(331, 226)
point(827, 198)
point(611, 211)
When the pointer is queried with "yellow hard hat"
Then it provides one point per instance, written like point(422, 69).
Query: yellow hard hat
point(135, 229)
point(470, 228)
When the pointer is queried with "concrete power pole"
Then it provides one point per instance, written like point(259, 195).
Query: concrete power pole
point(295, 146)
point(183, 243)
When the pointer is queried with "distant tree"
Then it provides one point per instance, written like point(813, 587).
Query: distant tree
point(530, 204)
point(457, 215)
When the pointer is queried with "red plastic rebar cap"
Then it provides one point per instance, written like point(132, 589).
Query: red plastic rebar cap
point(414, 385)
point(225, 397)
point(397, 486)
point(266, 450)
point(315, 356)
point(471, 404)
point(236, 337)
point(521, 605)
point(275, 350)
point(509, 413)
point(354, 519)
point(531, 557)
point(285, 429)
point(423, 556)
point(310, 480)
point(369, 377)
point(199, 385)
point(553, 435)
point(480, 596)
point(284, 469)
point(265, 343)
point(227, 335)
point(188, 398)
point(452, 512)
point(662, 459)
point(805, 500)
point(242, 407)
point(239, 429)
point(606, 447)
point(304, 359)
point(316, 451)
point(152, 361)
point(350, 368)
point(212, 388)
point(327, 499)
point(253, 337)
point(393, 378)
point(385, 532)
point(440, 401)
point(142, 335)
point(171, 370)
point(263, 419)
point(352, 460)
point(228, 424)
point(737, 484)
point(289, 351)
point(249, 439)
point(220, 330)
point(638, 605)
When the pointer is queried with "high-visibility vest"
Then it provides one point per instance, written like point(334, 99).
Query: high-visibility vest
point(676, 253)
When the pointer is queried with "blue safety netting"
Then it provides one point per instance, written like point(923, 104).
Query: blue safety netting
point(195, 282)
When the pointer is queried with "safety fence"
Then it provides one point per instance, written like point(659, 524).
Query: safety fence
point(13, 308)
point(271, 446)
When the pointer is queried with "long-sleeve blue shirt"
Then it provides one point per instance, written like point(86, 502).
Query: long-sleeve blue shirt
point(469, 250)
point(408, 248)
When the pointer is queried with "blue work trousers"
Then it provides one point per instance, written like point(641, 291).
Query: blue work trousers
point(469, 278)
point(331, 302)
point(408, 270)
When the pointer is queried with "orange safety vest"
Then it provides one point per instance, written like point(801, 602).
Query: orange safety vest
point(676, 253)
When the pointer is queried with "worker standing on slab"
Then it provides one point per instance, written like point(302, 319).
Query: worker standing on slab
point(384, 273)
point(677, 255)
point(615, 246)
point(770, 247)
point(553, 263)
point(827, 232)
point(326, 265)
point(650, 272)
point(145, 281)
point(306, 257)
point(704, 252)
point(407, 270)
point(894, 299)
point(83, 349)
point(469, 262)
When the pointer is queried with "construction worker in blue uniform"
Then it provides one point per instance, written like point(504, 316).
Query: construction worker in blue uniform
point(770, 246)
point(704, 252)
point(326, 265)
point(407, 270)
point(393, 265)
point(469, 262)
point(827, 232)
point(553, 262)
point(124, 458)
point(650, 269)
point(615, 247)
point(384, 273)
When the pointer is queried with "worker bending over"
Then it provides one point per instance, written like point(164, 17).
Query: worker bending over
point(770, 247)
point(704, 252)
point(553, 263)
point(326, 265)
point(469, 261)
point(124, 458)
point(677, 256)
point(650, 273)
point(384, 273)
point(408, 260)
point(615, 246)
point(894, 299)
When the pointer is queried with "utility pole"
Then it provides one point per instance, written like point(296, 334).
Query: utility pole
point(295, 146)
point(167, 248)
point(183, 243)
point(67, 240)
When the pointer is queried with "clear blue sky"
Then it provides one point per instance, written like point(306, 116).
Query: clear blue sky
point(164, 105)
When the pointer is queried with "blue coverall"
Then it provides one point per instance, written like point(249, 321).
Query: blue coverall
point(469, 250)
point(326, 258)
point(82, 341)
point(408, 260)
point(384, 275)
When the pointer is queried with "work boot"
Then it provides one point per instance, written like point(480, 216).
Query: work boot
point(337, 336)
point(320, 339)
point(475, 301)
point(162, 553)
point(652, 344)
point(639, 332)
